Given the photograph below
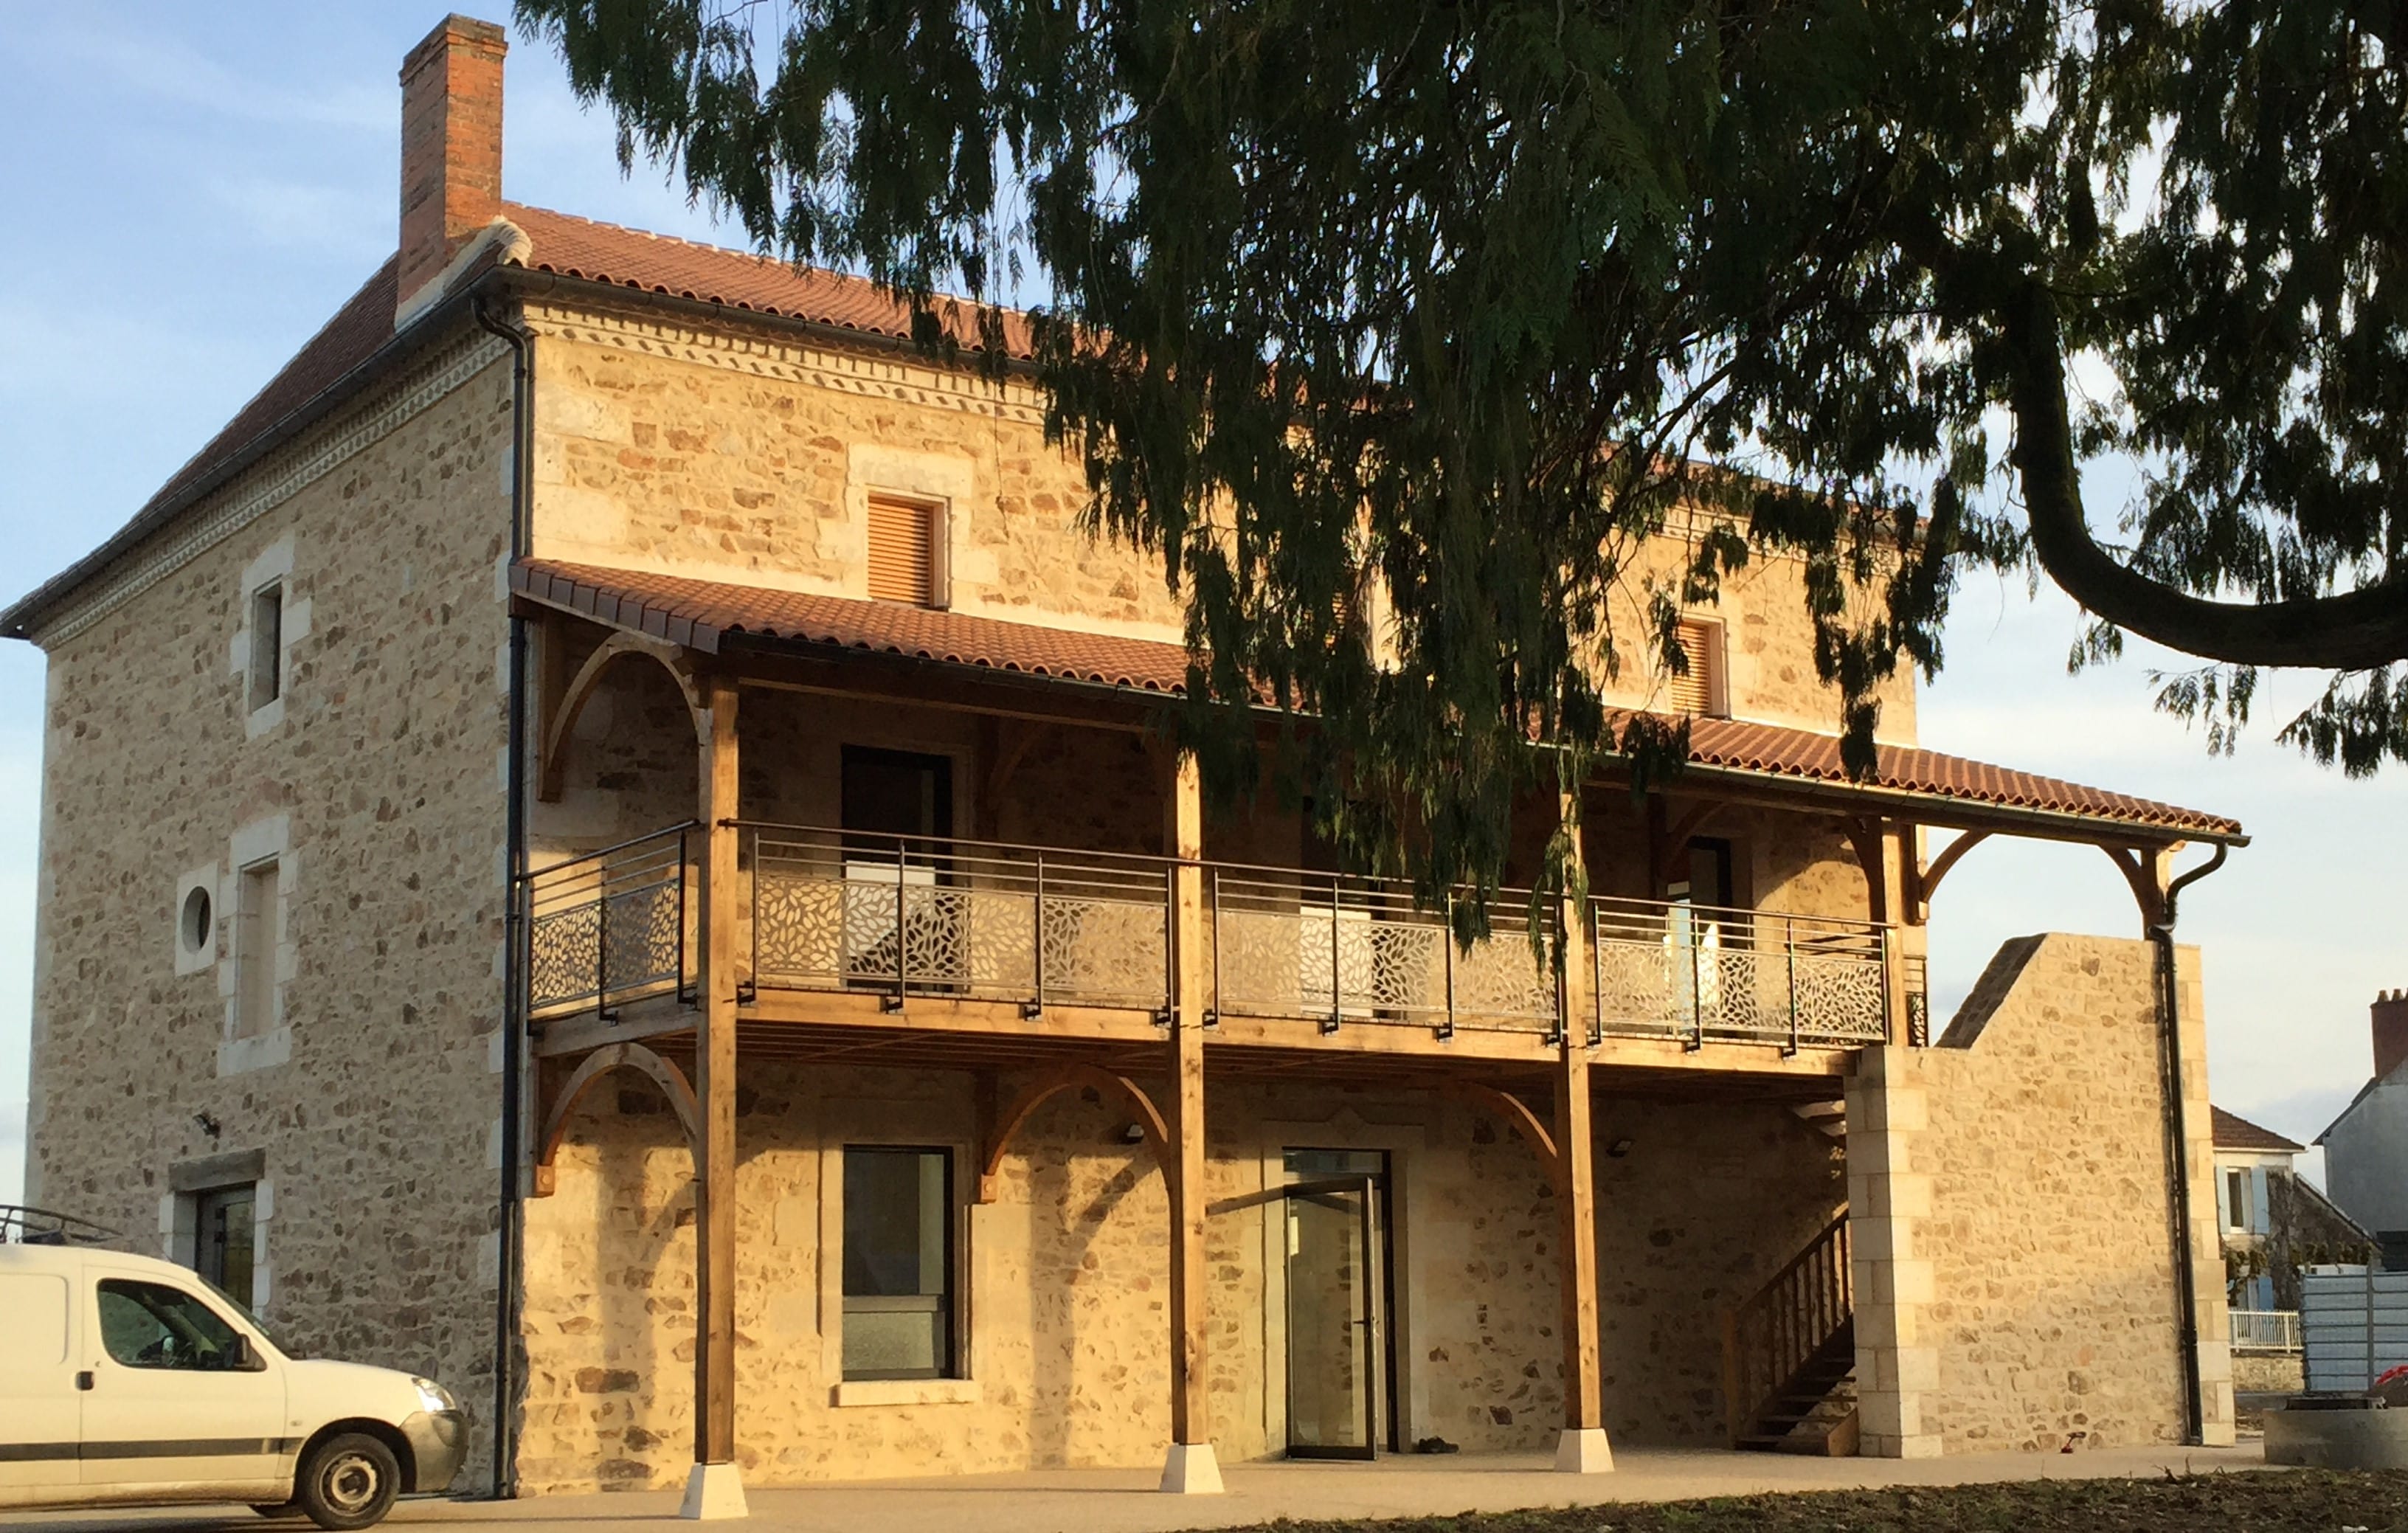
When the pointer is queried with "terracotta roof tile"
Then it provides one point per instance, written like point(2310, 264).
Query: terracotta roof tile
point(630, 258)
point(699, 613)
point(2235, 1132)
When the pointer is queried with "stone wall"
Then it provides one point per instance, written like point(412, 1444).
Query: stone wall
point(1704, 1204)
point(750, 459)
point(2008, 1193)
point(1067, 1294)
point(368, 1098)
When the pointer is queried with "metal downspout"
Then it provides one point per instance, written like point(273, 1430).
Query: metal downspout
point(2161, 935)
point(514, 940)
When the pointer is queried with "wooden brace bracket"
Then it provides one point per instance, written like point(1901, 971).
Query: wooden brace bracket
point(1069, 1078)
point(601, 1062)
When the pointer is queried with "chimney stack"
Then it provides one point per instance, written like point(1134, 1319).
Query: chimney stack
point(2391, 1018)
point(451, 145)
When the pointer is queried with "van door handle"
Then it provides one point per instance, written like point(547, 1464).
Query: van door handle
point(84, 1379)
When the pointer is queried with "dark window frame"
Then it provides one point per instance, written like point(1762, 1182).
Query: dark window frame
point(949, 1308)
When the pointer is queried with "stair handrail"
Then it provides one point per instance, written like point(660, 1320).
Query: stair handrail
point(1777, 1330)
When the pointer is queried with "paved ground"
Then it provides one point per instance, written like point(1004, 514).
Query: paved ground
point(1124, 1501)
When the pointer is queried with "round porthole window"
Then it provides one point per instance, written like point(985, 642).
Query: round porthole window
point(193, 924)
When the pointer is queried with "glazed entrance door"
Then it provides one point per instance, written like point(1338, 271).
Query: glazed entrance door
point(1330, 1376)
point(1334, 1207)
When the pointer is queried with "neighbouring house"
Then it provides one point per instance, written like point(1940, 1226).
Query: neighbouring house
point(606, 840)
point(2366, 1148)
point(2275, 1224)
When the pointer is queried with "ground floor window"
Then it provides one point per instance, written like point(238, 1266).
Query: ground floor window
point(224, 1230)
point(898, 1263)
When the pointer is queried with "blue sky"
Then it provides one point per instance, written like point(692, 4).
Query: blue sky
point(196, 188)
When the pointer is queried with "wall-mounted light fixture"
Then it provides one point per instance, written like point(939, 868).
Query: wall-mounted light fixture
point(207, 1124)
point(1618, 1149)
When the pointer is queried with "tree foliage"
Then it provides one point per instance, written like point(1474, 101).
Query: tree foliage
point(1456, 300)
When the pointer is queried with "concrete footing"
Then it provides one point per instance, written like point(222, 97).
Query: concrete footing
point(2338, 1439)
point(1582, 1450)
point(1190, 1469)
point(714, 1493)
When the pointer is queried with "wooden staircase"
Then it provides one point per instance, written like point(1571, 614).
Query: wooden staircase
point(1789, 1355)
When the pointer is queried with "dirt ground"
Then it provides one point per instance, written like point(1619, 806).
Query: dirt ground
point(2297, 1501)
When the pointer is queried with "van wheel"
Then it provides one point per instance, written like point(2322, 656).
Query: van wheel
point(348, 1482)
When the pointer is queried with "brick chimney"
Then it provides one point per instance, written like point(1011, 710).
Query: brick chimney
point(2390, 1017)
point(451, 145)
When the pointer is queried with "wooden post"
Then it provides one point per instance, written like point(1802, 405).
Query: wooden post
point(714, 1489)
point(1190, 1468)
point(1583, 1448)
point(1894, 855)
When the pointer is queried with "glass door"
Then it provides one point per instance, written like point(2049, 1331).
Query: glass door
point(1335, 1302)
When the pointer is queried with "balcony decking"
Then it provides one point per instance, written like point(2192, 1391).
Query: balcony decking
point(878, 934)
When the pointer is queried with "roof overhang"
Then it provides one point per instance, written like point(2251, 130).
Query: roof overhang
point(1773, 765)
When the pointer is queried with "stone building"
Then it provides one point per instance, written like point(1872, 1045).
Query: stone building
point(606, 842)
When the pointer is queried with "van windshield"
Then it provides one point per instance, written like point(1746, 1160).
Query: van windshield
point(243, 1310)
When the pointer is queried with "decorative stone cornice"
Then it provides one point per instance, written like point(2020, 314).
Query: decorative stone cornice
point(283, 474)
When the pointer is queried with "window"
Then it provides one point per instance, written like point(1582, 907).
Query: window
point(195, 922)
point(898, 1263)
point(149, 1324)
point(907, 552)
point(1700, 692)
point(2236, 1200)
point(258, 928)
point(222, 1240)
point(267, 645)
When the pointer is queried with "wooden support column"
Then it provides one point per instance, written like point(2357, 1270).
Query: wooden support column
point(1582, 1448)
point(1191, 1467)
point(714, 1489)
point(1885, 850)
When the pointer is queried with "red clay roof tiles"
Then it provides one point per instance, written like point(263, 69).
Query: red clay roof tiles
point(699, 613)
point(629, 258)
point(2235, 1132)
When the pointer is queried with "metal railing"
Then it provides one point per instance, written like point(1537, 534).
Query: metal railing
point(613, 925)
point(1331, 948)
point(1703, 973)
point(2265, 1330)
point(915, 915)
point(829, 909)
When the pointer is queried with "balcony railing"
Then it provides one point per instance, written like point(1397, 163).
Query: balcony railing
point(910, 915)
point(1702, 974)
point(611, 926)
point(2265, 1330)
point(1335, 950)
point(826, 910)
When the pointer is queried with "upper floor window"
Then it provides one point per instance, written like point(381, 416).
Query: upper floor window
point(259, 923)
point(907, 552)
point(1701, 692)
point(267, 645)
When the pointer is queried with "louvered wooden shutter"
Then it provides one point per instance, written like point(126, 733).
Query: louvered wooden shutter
point(903, 552)
point(1700, 691)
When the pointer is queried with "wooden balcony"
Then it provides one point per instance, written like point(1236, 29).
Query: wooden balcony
point(840, 929)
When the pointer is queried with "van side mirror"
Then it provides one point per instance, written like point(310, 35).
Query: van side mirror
point(239, 1358)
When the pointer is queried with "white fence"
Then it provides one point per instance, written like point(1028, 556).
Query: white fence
point(2354, 1325)
point(2265, 1330)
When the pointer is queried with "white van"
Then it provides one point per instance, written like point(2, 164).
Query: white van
point(127, 1378)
